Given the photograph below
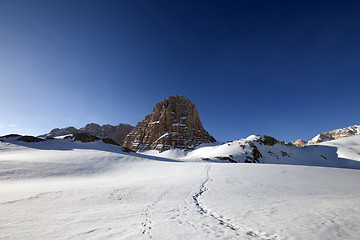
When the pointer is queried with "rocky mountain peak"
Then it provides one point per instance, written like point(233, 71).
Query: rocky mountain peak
point(97, 130)
point(173, 123)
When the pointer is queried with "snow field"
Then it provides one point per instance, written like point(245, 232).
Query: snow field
point(82, 191)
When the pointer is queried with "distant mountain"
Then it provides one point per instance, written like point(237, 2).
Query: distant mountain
point(335, 134)
point(97, 130)
point(328, 136)
point(56, 132)
point(117, 133)
point(173, 123)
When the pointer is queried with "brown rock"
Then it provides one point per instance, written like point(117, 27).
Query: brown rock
point(336, 134)
point(120, 132)
point(110, 141)
point(174, 123)
point(298, 143)
point(85, 137)
point(30, 139)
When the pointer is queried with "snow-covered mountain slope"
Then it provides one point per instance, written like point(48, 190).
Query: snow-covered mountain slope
point(265, 149)
point(347, 148)
point(60, 189)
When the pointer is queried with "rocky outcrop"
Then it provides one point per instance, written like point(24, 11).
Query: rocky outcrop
point(85, 137)
point(30, 139)
point(11, 136)
point(298, 143)
point(173, 123)
point(116, 133)
point(267, 140)
point(336, 134)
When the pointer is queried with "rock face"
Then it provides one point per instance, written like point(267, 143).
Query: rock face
point(120, 132)
point(97, 130)
point(85, 137)
point(109, 141)
point(174, 123)
point(116, 133)
point(335, 134)
point(30, 139)
point(298, 143)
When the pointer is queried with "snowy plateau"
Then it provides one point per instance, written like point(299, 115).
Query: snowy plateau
point(61, 189)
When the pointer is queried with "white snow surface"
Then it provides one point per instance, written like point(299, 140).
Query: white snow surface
point(60, 189)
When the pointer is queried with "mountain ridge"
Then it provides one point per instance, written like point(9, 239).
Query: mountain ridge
point(116, 133)
point(353, 130)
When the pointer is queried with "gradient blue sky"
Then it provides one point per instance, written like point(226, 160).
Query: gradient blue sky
point(289, 69)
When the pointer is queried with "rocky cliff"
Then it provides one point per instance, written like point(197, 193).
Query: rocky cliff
point(173, 123)
point(97, 130)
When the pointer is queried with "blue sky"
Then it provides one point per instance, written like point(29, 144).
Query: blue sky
point(289, 69)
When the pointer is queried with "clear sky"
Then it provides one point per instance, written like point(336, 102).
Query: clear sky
point(289, 69)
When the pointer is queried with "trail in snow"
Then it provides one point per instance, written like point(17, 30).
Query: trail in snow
point(37, 196)
point(147, 223)
point(222, 220)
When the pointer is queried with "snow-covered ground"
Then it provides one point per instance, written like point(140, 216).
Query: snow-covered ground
point(341, 153)
point(68, 190)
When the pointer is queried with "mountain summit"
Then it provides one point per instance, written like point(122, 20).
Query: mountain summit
point(174, 123)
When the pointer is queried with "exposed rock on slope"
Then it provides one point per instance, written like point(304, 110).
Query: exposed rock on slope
point(120, 132)
point(298, 143)
point(336, 134)
point(30, 139)
point(85, 137)
point(174, 123)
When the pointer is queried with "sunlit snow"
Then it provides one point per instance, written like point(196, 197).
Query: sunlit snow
point(60, 189)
